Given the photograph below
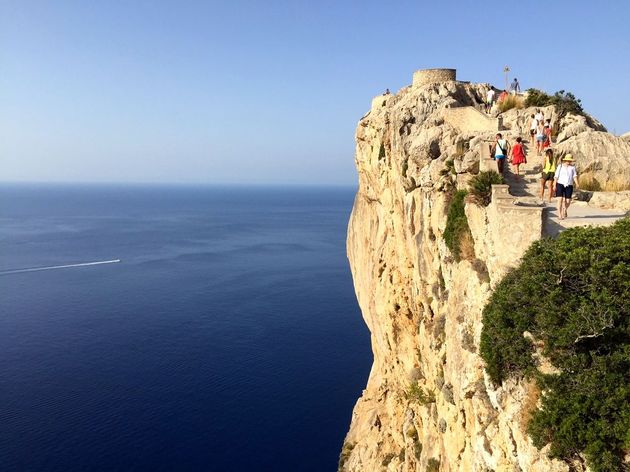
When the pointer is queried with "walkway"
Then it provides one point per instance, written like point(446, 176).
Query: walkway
point(528, 187)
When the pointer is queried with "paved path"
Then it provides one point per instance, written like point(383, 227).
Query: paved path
point(528, 187)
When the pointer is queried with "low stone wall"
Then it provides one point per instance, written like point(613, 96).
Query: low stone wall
point(485, 160)
point(504, 230)
point(428, 76)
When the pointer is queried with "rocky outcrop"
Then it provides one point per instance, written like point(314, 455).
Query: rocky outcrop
point(601, 157)
point(428, 402)
point(610, 200)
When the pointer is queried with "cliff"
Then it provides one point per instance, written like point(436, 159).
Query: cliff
point(428, 404)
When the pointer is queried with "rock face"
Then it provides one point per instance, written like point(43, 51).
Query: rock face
point(602, 157)
point(428, 402)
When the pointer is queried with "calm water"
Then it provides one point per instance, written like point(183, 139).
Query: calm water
point(227, 339)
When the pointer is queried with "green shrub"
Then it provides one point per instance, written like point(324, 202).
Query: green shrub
point(346, 450)
point(418, 395)
point(457, 234)
point(387, 459)
point(572, 295)
point(433, 465)
point(480, 186)
point(565, 102)
point(537, 98)
point(450, 166)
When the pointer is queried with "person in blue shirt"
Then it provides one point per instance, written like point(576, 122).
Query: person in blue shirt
point(515, 87)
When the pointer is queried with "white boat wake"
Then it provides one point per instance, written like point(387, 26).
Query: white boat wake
point(37, 269)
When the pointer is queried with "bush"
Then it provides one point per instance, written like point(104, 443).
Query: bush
point(565, 102)
point(346, 450)
point(418, 395)
point(572, 295)
point(480, 186)
point(457, 234)
point(509, 102)
point(433, 465)
point(537, 98)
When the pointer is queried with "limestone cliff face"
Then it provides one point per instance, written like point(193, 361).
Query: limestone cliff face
point(424, 309)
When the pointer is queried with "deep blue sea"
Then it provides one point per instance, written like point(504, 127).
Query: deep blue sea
point(228, 338)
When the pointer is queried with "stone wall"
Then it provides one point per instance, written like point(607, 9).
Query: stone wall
point(504, 230)
point(428, 76)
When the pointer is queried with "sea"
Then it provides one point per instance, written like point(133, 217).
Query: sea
point(227, 337)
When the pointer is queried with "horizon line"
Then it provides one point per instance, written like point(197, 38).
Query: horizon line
point(174, 183)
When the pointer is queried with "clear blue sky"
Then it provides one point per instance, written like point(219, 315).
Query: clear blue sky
point(266, 91)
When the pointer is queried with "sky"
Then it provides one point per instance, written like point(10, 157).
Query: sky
point(267, 92)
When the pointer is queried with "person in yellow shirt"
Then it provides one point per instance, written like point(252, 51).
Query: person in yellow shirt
point(548, 173)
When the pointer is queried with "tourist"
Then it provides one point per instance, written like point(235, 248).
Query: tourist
point(518, 155)
point(540, 137)
point(387, 92)
point(500, 151)
point(565, 178)
point(532, 130)
point(502, 96)
point(540, 116)
point(548, 174)
point(489, 100)
point(547, 131)
point(515, 87)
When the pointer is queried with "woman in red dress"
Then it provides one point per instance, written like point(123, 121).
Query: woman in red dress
point(518, 155)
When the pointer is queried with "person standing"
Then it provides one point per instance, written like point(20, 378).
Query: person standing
point(500, 151)
point(547, 131)
point(548, 174)
point(515, 87)
point(540, 116)
point(532, 130)
point(540, 137)
point(489, 99)
point(518, 155)
point(565, 178)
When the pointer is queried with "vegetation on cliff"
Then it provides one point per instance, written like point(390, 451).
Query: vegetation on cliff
point(481, 186)
point(565, 102)
point(457, 235)
point(571, 295)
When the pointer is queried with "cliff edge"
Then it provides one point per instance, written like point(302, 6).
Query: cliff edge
point(428, 404)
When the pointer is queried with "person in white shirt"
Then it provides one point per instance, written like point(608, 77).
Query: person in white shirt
point(500, 151)
point(565, 178)
point(540, 116)
point(532, 130)
point(489, 100)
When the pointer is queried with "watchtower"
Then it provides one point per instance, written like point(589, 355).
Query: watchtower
point(428, 76)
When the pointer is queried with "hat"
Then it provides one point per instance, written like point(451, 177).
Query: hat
point(568, 157)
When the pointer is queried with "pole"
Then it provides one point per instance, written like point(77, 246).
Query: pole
point(506, 69)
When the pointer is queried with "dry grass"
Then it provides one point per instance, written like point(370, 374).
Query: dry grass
point(467, 246)
point(529, 404)
point(511, 101)
point(590, 183)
